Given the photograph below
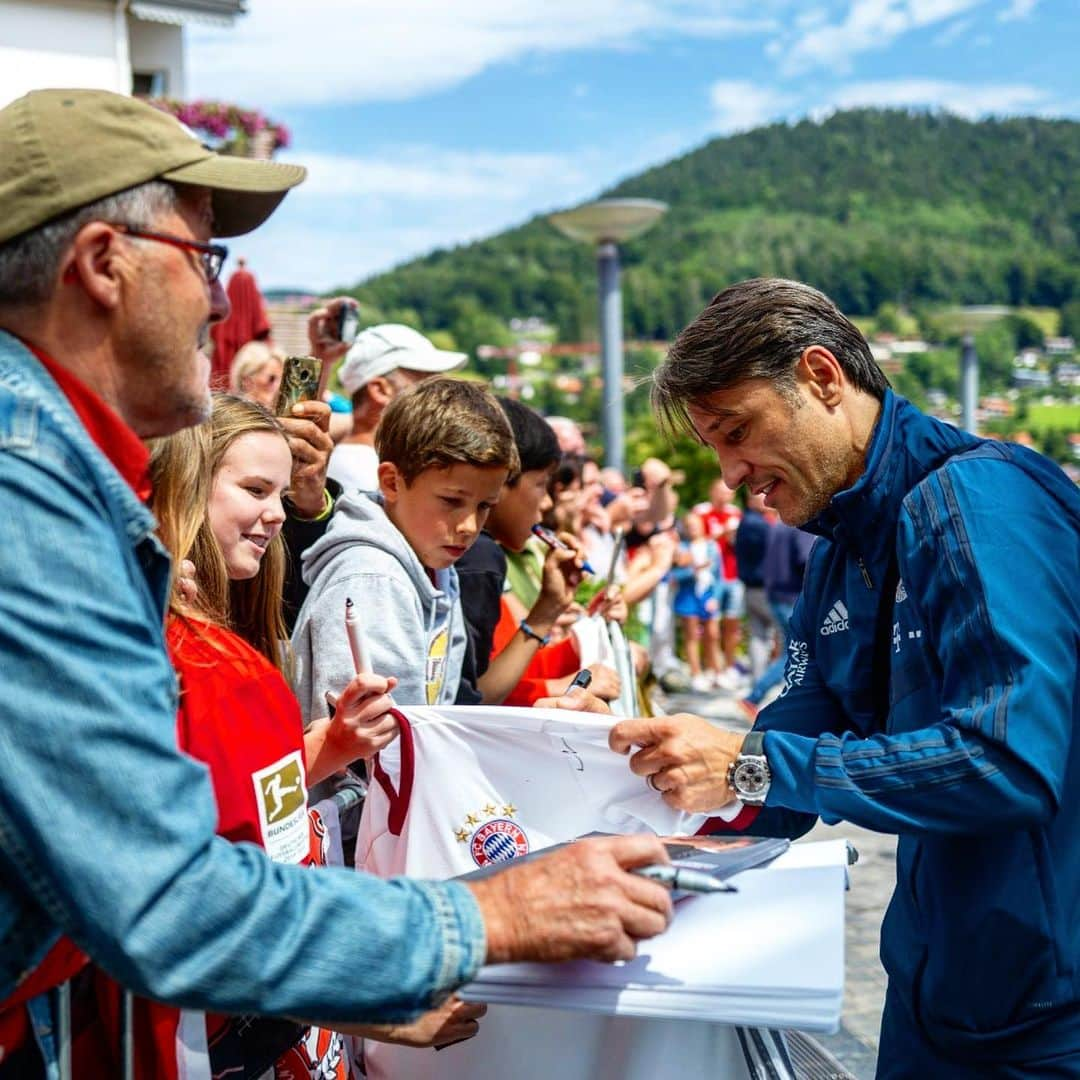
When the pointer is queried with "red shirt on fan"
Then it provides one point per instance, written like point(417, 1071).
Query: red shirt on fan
point(721, 524)
point(238, 715)
point(553, 661)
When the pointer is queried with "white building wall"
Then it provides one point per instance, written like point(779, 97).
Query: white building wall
point(158, 47)
point(63, 44)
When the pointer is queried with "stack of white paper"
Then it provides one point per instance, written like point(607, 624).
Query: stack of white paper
point(770, 955)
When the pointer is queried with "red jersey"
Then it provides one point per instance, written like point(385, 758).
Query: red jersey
point(721, 525)
point(61, 962)
point(550, 661)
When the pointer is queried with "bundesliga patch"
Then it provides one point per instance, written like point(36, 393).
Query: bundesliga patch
point(497, 840)
point(281, 796)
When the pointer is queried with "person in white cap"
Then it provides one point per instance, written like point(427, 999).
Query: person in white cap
point(382, 362)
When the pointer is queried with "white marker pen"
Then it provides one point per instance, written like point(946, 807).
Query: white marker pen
point(356, 639)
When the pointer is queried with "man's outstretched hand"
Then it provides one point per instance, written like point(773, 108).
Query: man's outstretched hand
point(577, 903)
point(683, 757)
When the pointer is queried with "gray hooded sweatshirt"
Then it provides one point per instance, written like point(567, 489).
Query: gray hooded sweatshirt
point(414, 629)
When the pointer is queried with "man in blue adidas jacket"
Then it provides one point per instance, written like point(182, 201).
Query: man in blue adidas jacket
point(935, 698)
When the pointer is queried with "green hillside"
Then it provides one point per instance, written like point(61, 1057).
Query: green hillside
point(874, 207)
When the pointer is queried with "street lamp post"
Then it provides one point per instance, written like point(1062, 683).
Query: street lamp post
point(606, 223)
point(969, 383)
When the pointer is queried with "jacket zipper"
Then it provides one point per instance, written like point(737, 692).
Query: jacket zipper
point(865, 574)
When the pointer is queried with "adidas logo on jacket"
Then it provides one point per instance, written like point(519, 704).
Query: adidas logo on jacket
point(836, 620)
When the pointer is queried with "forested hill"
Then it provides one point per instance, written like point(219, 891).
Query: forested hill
point(871, 206)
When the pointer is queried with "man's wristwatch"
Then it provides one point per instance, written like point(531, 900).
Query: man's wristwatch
point(748, 775)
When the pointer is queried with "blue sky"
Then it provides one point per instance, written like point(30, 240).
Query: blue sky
point(428, 123)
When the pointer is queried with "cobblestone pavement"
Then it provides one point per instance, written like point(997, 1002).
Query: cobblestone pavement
point(872, 881)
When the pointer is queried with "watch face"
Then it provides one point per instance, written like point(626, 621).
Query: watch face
point(751, 778)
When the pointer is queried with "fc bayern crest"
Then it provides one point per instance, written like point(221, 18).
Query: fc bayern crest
point(498, 841)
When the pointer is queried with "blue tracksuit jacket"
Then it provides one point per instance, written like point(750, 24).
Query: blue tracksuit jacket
point(977, 767)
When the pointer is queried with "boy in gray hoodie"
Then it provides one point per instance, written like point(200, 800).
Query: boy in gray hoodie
point(445, 450)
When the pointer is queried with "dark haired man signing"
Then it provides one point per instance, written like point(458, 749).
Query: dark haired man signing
point(931, 687)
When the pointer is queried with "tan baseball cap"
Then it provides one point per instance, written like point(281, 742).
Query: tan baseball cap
point(66, 148)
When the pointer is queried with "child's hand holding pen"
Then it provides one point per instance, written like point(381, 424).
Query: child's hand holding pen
point(559, 580)
point(565, 542)
point(361, 723)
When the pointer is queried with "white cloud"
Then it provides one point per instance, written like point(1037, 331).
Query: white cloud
point(419, 173)
point(1017, 9)
point(953, 31)
point(385, 50)
point(809, 18)
point(739, 105)
point(357, 215)
point(961, 98)
point(868, 25)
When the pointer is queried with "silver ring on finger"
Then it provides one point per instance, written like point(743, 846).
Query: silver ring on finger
point(651, 781)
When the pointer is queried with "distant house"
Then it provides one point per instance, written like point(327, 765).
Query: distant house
point(909, 347)
point(1067, 373)
point(997, 406)
point(533, 327)
point(289, 324)
point(1028, 378)
point(1060, 346)
point(129, 47)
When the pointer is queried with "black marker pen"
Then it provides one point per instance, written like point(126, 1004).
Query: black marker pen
point(553, 541)
point(581, 681)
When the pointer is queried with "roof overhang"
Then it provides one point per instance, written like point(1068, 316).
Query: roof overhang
point(185, 12)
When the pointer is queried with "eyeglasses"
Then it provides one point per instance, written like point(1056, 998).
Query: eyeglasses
point(212, 256)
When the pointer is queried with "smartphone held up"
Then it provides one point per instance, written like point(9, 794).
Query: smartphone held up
point(300, 381)
point(347, 323)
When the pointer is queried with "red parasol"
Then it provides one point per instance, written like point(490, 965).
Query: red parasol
point(247, 321)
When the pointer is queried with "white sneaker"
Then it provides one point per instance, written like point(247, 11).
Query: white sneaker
point(701, 684)
point(733, 681)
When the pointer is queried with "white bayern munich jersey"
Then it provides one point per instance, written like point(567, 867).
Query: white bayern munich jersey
point(466, 787)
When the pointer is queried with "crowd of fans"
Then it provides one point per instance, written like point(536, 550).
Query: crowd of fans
point(690, 579)
point(142, 501)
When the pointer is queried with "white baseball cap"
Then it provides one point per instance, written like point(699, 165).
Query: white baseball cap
point(378, 350)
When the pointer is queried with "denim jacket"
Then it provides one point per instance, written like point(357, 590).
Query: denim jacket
point(106, 831)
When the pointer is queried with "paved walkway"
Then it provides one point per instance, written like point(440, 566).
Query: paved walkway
point(872, 881)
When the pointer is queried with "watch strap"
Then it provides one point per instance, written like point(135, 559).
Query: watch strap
point(753, 743)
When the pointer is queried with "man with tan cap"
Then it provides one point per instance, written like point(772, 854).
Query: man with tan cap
point(382, 361)
point(108, 285)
